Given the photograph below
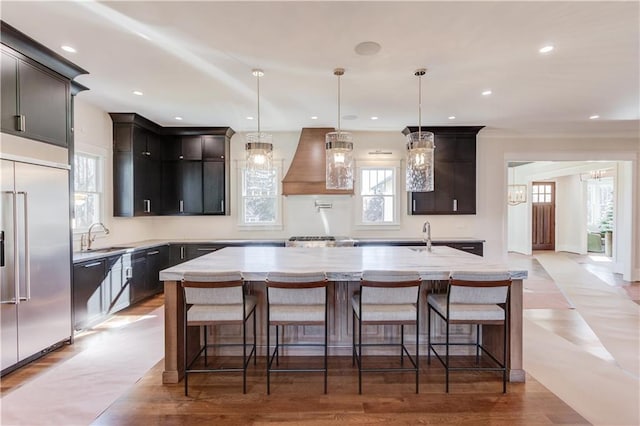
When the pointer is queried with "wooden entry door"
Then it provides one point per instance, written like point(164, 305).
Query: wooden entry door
point(543, 201)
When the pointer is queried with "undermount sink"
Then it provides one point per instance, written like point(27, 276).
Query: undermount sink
point(107, 249)
point(418, 249)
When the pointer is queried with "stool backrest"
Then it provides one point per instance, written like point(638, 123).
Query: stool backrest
point(479, 287)
point(213, 288)
point(297, 288)
point(389, 287)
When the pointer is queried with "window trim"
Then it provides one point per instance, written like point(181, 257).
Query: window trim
point(395, 165)
point(100, 186)
point(245, 226)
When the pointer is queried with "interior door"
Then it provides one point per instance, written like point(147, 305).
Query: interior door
point(543, 201)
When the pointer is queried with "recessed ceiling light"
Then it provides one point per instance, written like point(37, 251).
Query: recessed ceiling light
point(546, 49)
point(249, 118)
point(594, 117)
point(178, 118)
point(314, 117)
point(367, 48)
point(486, 93)
point(452, 117)
point(138, 93)
point(374, 118)
point(68, 49)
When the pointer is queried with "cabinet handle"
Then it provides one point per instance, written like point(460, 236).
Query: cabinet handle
point(222, 205)
point(455, 205)
point(468, 248)
point(91, 265)
point(147, 206)
point(182, 252)
point(181, 157)
point(128, 272)
point(146, 153)
point(414, 206)
point(27, 250)
point(206, 249)
point(21, 123)
point(153, 253)
point(181, 206)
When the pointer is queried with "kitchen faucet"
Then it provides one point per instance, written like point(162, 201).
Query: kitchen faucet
point(87, 239)
point(426, 229)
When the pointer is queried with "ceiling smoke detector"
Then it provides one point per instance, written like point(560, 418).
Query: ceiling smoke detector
point(367, 48)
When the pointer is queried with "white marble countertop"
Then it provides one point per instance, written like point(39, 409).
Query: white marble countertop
point(340, 263)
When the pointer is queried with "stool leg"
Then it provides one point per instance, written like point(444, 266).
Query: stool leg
point(504, 357)
point(268, 355)
point(255, 341)
point(428, 334)
point(205, 346)
point(402, 345)
point(278, 345)
point(477, 344)
point(353, 337)
point(418, 351)
point(360, 353)
point(446, 367)
point(326, 341)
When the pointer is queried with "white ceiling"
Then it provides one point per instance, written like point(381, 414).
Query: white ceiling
point(196, 62)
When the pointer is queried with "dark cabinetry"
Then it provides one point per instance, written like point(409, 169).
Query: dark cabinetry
point(137, 166)
point(473, 246)
point(184, 252)
point(169, 170)
point(454, 173)
point(88, 298)
point(36, 89)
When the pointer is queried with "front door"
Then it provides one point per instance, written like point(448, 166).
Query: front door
point(543, 215)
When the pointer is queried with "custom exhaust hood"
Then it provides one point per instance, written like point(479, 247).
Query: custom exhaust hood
point(306, 174)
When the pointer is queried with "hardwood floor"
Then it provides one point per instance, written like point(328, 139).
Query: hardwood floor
point(475, 399)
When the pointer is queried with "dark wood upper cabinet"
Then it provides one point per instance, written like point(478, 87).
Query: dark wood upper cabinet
point(454, 173)
point(160, 170)
point(36, 89)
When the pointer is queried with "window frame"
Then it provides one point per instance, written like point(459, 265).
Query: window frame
point(395, 167)
point(100, 187)
point(252, 226)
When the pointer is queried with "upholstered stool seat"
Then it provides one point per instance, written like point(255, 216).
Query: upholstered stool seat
point(217, 298)
point(387, 298)
point(295, 298)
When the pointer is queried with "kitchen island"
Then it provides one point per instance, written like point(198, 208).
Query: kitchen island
point(343, 266)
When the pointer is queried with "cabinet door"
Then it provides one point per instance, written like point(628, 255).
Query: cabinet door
point(197, 250)
point(190, 187)
point(157, 260)
point(213, 186)
point(170, 183)
point(191, 148)
point(213, 147)
point(44, 103)
point(464, 187)
point(177, 254)
point(147, 169)
point(88, 278)
point(9, 90)
point(137, 283)
point(119, 273)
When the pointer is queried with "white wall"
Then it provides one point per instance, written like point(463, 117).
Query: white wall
point(495, 146)
point(571, 219)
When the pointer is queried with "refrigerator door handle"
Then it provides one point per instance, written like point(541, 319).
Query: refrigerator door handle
point(16, 289)
point(1, 249)
point(27, 257)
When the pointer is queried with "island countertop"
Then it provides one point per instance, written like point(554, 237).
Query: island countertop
point(340, 263)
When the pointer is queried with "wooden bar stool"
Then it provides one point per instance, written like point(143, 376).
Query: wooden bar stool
point(387, 298)
point(479, 298)
point(295, 298)
point(215, 298)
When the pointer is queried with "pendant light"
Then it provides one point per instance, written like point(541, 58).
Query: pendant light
point(339, 153)
point(420, 148)
point(516, 194)
point(259, 149)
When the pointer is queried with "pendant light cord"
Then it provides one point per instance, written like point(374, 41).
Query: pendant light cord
point(338, 105)
point(258, 91)
point(419, 107)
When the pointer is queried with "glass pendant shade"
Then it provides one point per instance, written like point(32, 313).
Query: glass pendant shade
point(259, 151)
point(420, 148)
point(339, 153)
point(516, 194)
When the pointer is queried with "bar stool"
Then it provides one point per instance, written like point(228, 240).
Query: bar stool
point(472, 298)
point(215, 298)
point(295, 298)
point(387, 297)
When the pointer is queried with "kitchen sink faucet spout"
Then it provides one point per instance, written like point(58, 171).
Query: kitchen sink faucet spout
point(426, 234)
point(88, 238)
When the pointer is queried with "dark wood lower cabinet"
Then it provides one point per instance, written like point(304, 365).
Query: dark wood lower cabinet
point(88, 279)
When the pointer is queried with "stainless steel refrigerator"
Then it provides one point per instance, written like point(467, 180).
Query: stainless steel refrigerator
point(35, 277)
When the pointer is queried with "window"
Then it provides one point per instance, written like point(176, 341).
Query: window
point(377, 195)
point(600, 202)
point(87, 184)
point(260, 198)
point(542, 193)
